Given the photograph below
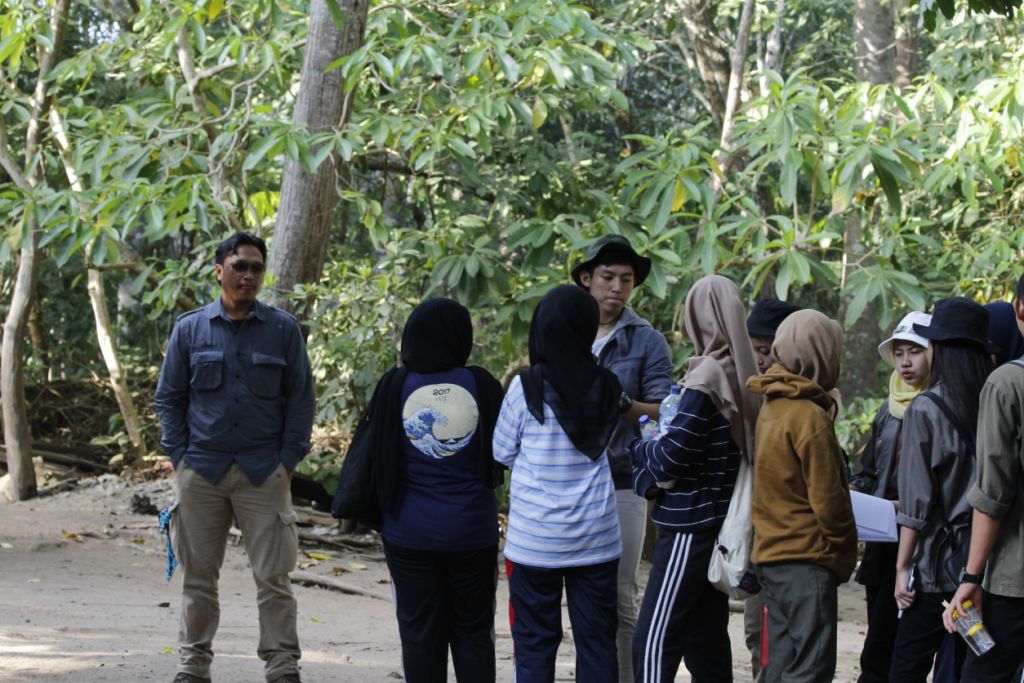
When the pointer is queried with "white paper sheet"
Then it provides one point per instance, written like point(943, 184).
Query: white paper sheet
point(875, 517)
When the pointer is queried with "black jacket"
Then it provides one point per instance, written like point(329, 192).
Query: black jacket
point(877, 465)
point(877, 460)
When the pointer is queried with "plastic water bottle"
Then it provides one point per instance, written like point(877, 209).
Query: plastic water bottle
point(669, 408)
point(972, 630)
point(648, 428)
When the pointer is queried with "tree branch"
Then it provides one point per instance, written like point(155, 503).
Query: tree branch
point(40, 101)
point(725, 157)
point(736, 74)
point(9, 163)
point(407, 11)
point(213, 71)
point(219, 180)
point(773, 49)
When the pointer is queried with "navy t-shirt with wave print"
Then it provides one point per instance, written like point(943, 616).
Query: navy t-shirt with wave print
point(443, 504)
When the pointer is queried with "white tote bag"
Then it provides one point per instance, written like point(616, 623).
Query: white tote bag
point(730, 560)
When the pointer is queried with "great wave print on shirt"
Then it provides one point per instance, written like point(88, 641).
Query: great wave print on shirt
point(440, 419)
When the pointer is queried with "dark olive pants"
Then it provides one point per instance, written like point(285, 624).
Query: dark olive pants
point(802, 613)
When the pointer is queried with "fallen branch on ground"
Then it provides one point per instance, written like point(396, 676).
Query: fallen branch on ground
point(311, 579)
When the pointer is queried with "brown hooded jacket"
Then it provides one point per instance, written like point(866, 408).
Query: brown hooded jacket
point(801, 506)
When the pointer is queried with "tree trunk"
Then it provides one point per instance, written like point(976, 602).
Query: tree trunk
point(906, 48)
point(308, 201)
point(40, 339)
point(874, 44)
point(710, 52)
point(874, 60)
point(860, 344)
point(17, 433)
point(118, 382)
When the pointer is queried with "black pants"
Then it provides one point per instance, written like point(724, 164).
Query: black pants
point(682, 617)
point(876, 655)
point(1004, 619)
point(442, 600)
point(919, 637)
point(535, 610)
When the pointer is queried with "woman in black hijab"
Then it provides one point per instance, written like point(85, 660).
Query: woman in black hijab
point(564, 374)
point(563, 526)
point(431, 424)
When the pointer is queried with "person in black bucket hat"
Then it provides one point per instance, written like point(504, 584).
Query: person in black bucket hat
point(619, 245)
point(958, 319)
point(627, 345)
point(935, 473)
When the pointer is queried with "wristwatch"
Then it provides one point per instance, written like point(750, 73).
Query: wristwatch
point(625, 402)
point(971, 578)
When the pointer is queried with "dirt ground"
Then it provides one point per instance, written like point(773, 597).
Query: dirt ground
point(83, 598)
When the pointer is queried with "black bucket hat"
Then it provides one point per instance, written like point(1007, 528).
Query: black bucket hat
point(615, 243)
point(767, 315)
point(958, 319)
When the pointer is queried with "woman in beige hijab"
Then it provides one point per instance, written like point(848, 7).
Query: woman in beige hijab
point(805, 541)
point(691, 472)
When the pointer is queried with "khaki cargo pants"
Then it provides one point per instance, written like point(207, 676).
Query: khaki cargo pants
point(202, 517)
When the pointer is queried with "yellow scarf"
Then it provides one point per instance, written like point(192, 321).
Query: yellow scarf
point(901, 394)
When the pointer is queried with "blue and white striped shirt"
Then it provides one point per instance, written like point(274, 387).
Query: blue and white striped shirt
point(697, 458)
point(561, 503)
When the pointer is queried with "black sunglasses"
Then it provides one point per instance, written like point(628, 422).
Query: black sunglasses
point(256, 267)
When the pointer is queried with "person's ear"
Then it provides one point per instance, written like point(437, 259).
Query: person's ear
point(585, 277)
point(1018, 309)
point(218, 269)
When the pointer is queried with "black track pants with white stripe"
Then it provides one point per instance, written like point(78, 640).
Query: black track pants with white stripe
point(683, 617)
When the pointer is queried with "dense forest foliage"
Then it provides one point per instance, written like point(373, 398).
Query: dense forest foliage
point(862, 158)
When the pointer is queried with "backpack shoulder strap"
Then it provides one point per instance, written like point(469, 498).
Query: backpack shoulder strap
point(953, 419)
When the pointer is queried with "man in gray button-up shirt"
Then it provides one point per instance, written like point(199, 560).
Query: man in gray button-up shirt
point(996, 561)
point(235, 401)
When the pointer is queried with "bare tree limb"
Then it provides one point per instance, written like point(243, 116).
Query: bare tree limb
point(736, 74)
point(9, 163)
point(40, 101)
point(773, 49)
point(725, 157)
point(215, 71)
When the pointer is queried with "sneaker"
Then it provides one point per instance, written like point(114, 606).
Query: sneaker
point(183, 677)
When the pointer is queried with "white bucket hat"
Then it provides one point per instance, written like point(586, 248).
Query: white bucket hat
point(905, 332)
